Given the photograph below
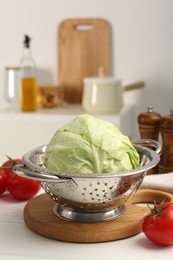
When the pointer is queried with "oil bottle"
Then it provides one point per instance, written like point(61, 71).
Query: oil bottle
point(28, 81)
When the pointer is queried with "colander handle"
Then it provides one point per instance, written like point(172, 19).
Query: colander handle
point(23, 171)
point(149, 142)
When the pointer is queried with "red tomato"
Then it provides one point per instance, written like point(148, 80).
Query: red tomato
point(22, 188)
point(158, 225)
point(8, 165)
point(3, 181)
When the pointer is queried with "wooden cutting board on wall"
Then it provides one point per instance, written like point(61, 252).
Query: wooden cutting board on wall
point(83, 47)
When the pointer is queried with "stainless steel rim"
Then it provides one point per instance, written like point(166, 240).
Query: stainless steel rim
point(152, 161)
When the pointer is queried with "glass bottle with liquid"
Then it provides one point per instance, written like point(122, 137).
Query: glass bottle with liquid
point(28, 81)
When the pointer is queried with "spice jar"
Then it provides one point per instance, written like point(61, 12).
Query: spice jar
point(12, 85)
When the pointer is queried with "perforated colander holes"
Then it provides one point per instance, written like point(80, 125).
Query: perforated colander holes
point(100, 194)
point(50, 194)
point(53, 196)
point(107, 192)
point(45, 187)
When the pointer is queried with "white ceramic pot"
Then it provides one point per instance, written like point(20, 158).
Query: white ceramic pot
point(102, 95)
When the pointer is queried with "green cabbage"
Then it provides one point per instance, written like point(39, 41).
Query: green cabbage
point(90, 145)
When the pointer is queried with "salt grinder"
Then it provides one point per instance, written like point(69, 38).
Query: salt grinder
point(166, 158)
point(149, 123)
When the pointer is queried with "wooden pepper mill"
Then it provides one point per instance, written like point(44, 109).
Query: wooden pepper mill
point(149, 123)
point(166, 158)
point(149, 126)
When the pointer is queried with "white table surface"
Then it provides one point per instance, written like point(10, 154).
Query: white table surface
point(17, 241)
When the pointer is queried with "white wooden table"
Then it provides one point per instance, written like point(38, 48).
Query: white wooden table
point(17, 241)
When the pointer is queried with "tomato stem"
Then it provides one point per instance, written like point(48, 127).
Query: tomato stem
point(157, 209)
point(11, 165)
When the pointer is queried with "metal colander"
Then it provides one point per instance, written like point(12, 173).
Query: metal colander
point(89, 197)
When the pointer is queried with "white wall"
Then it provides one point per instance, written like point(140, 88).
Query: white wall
point(142, 40)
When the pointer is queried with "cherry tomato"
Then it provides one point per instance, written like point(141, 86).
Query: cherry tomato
point(158, 225)
point(3, 181)
point(22, 188)
point(8, 165)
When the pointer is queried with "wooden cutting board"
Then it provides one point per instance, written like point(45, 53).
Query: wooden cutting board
point(39, 217)
point(83, 48)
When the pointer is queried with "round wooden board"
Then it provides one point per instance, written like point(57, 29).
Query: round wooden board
point(39, 217)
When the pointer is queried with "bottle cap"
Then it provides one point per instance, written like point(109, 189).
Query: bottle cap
point(27, 40)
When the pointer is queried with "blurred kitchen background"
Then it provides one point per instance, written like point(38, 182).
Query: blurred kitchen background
point(141, 43)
